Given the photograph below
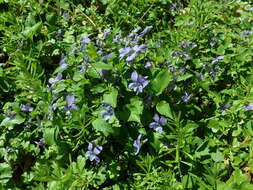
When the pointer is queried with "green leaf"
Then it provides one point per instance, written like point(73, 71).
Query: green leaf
point(101, 65)
point(135, 107)
point(69, 37)
point(31, 31)
point(10, 122)
point(51, 18)
point(213, 124)
point(50, 135)
point(99, 88)
point(161, 81)
point(102, 126)
point(78, 76)
point(184, 77)
point(217, 157)
point(5, 173)
point(111, 97)
point(164, 109)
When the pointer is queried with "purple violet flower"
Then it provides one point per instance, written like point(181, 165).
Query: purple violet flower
point(26, 107)
point(53, 81)
point(249, 107)
point(176, 54)
point(40, 143)
point(201, 76)
point(86, 39)
point(63, 64)
point(108, 112)
point(73, 51)
point(186, 98)
point(123, 52)
point(93, 151)
point(137, 144)
point(117, 38)
point(140, 48)
point(224, 107)
point(70, 99)
point(145, 31)
point(132, 52)
point(159, 122)
point(148, 65)
point(107, 57)
point(205, 63)
point(246, 33)
point(85, 64)
point(139, 82)
point(106, 32)
point(217, 59)
point(66, 16)
point(177, 6)
point(180, 54)
point(58, 35)
point(10, 116)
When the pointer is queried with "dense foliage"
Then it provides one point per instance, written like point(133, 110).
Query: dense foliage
point(114, 94)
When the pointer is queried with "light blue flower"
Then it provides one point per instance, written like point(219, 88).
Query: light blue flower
point(186, 98)
point(40, 143)
point(70, 99)
point(224, 108)
point(26, 107)
point(137, 144)
point(132, 52)
point(63, 64)
point(93, 151)
point(159, 122)
point(246, 33)
point(145, 31)
point(217, 59)
point(53, 81)
point(249, 107)
point(86, 39)
point(139, 82)
point(108, 112)
point(107, 57)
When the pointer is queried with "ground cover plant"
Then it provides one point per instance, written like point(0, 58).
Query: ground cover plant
point(113, 94)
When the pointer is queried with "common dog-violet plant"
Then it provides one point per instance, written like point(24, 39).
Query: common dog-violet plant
point(83, 82)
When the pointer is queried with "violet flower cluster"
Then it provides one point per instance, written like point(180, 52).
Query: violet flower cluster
point(132, 49)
